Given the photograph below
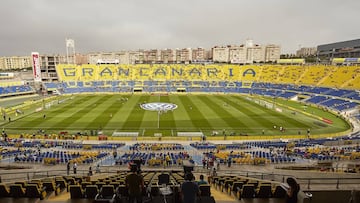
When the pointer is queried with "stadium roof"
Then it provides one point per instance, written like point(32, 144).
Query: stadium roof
point(339, 45)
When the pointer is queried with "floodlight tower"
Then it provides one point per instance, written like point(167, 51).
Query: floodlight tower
point(70, 51)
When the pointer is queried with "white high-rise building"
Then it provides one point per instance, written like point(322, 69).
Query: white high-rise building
point(221, 54)
point(246, 54)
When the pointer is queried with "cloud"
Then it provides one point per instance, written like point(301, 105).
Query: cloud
point(112, 25)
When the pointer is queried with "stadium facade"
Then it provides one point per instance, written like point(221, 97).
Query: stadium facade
point(344, 49)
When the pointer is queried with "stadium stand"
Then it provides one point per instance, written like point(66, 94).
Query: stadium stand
point(13, 84)
point(340, 76)
point(241, 187)
point(313, 74)
point(15, 90)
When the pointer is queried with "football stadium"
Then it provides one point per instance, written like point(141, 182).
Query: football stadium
point(217, 100)
point(246, 129)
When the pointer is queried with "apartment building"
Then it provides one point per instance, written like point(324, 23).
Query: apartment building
point(306, 51)
point(152, 56)
point(183, 55)
point(168, 56)
point(237, 54)
point(15, 62)
point(221, 54)
point(272, 52)
point(121, 57)
point(104, 57)
point(247, 53)
point(199, 54)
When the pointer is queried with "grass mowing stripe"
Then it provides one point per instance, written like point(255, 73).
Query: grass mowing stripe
point(127, 103)
point(211, 116)
point(183, 120)
point(264, 113)
point(68, 107)
point(337, 121)
point(249, 113)
point(196, 116)
point(136, 115)
point(223, 116)
point(81, 113)
point(284, 117)
point(103, 117)
point(120, 112)
point(52, 113)
point(167, 120)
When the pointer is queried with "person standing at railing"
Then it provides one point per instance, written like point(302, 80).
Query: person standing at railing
point(355, 196)
point(68, 168)
point(75, 167)
point(97, 168)
point(293, 190)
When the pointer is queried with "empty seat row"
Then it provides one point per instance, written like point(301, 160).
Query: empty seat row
point(242, 187)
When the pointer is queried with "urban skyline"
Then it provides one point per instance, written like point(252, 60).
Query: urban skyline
point(244, 54)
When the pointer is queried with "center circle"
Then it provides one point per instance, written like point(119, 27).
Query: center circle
point(158, 106)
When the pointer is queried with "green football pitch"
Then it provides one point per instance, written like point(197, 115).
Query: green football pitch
point(210, 114)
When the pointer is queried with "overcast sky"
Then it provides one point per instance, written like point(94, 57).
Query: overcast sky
point(114, 25)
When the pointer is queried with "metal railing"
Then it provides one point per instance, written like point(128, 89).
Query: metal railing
point(310, 182)
point(36, 174)
point(339, 182)
point(305, 182)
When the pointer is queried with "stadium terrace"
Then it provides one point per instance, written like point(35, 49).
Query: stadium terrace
point(155, 72)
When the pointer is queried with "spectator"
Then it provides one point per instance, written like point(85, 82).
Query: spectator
point(68, 168)
point(355, 196)
point(115, 154)
point(204, 162)
point(213, 173)
point(293, 190)
point(229, 161)
point(168, 159)
point(98, 168)
point(189, 189)
point(90, 171)
point(75, 167)
point(135, 184)
point(202, 181)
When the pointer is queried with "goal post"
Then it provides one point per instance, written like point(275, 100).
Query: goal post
point(125, 134)
point(190, 134)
